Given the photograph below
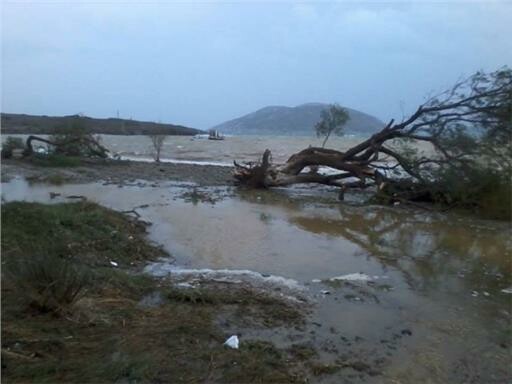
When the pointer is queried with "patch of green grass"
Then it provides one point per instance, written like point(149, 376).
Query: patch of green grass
point(303, 351)
point(269, 310)
point(258, 362)
point(84, 232)
point(106, 336)
point(319, 369)
point(55, 160)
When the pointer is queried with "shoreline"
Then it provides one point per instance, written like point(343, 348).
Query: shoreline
point(118, 172)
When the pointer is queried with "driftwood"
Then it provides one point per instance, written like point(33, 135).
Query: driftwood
point(481, 103)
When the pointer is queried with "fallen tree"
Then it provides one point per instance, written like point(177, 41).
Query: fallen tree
point(466, 128)
point(70, 140)
point(73, 146)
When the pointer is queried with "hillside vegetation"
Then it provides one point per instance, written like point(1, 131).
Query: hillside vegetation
point(24, 124)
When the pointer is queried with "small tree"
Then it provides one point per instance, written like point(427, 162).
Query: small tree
point(10, 144)
point(332, 120)
point(157, 141)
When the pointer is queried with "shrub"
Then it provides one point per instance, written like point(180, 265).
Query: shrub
point(486, 190)
point(10, 144)
point(55, 160)
point(75, 140)
point(47, 283)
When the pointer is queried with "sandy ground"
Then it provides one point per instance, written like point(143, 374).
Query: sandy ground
point(118, 172)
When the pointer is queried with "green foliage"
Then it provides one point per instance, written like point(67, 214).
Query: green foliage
point(75, 140)
point(486, 190)
point(332, 121)
point(10, 144)
point(55, 160)
point(47, 283)
point(466, 157)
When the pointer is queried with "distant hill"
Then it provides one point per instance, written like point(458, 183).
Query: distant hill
point(24, 124)
point(299, 120)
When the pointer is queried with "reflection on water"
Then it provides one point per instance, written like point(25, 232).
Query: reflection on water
point(440, 315)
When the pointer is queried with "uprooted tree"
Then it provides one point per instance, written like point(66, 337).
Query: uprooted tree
point(71, 140)
point(449, 144)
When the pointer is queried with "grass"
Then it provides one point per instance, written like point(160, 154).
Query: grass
point(55, 160)
point(83, 231)
point(105, 335)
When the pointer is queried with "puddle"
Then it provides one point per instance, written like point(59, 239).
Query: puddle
point(400, 282)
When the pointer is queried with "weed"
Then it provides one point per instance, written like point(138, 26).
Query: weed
point(47, 283)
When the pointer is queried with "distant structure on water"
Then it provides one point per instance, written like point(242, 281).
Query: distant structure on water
point(215, 135)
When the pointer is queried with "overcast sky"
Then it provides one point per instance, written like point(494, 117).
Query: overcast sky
point(199, 64)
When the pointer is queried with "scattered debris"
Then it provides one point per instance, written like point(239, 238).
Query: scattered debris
point(113, 263)
point(76, 197)
point(232, 342)
point(486, 294)
point(316, 281)
point(507, 290)
point(474, 293)
point(325, 292)
point(352, 277)
point(184, 285)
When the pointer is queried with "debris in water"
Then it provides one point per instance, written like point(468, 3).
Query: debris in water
point(184, 285)
point(353, 277)
point(474, 293)
point(316, 281)
point(325, 292)
point(507, 290)
point(113, 263)
point(486, 294)
point(232, 342)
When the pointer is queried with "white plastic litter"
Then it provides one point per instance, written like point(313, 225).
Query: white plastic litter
point(316, 281)
point(232, 342)
point(353, 277)
point(507, 290)
point(113, 263)
point(325, 292)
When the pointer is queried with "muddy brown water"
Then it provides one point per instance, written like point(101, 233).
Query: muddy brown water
point(433, 311)
point(239, 148)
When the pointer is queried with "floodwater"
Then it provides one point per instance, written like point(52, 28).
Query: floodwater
point(433, 308)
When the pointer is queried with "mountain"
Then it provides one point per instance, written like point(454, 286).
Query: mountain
point(23, 124)
point(299, 120)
